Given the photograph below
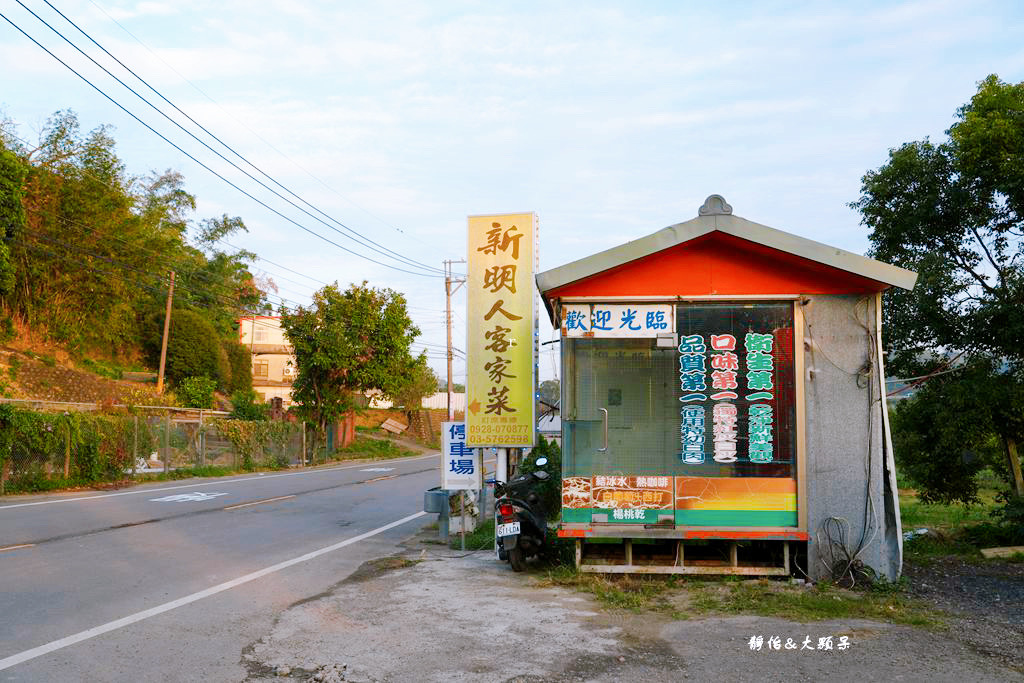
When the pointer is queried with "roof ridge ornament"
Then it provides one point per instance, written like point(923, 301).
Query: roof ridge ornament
point(715, 205)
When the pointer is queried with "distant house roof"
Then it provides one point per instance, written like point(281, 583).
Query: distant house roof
point(715, 217)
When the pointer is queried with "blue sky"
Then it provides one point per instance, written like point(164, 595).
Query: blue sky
point(610, 120)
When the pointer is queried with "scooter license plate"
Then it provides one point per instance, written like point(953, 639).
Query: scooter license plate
point(510, 529)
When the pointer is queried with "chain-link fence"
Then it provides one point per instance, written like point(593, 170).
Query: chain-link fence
point(48, 445)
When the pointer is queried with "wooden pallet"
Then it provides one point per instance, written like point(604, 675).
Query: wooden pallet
point(678, 563)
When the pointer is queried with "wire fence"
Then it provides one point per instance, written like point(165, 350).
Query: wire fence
point(50, 445)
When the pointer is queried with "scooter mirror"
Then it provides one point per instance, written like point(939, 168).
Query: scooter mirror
point(541, 462)
point(541, 474)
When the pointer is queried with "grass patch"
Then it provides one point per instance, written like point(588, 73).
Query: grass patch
point(481, 538)
point(102, 369)
point(916, 514)
point(634, 593)
point(823, 601)
point(959, 530)
point(366, 448)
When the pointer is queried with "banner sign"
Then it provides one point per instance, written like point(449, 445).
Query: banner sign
point(501, 320)
point(686, 501)
point(617, 320)
point(461, 466)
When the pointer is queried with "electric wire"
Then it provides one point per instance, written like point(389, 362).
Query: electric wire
point(254, 133)
point(387, 252)
point(200, 163)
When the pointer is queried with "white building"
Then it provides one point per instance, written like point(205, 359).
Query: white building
point(273, 363)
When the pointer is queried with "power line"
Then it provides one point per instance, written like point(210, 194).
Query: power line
point(194, 159)
point(387, 252)
point(254, 133)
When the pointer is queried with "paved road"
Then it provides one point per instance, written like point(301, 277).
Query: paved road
point(156, 582)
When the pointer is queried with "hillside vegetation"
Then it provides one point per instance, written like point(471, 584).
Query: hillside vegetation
point(86, 253)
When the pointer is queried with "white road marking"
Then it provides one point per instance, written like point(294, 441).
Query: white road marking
point(15, 547)
point(55, 645)
point(377, 469)
point(194, 497)
point(219, 482)
point(258, 502)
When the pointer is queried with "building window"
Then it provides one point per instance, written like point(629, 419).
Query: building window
point(260, 335)
point(260, 368)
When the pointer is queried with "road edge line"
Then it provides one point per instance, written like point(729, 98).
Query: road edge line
point(53, 646)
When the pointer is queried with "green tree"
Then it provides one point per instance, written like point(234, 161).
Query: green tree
point(347, 343)
point(549, 393)
point(421, 382)
point(193, 348)
point(954, 212)
point(12, 213)
point(89, 242)
point(240, 362)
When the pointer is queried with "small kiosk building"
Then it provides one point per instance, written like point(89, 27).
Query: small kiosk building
point(723, 405)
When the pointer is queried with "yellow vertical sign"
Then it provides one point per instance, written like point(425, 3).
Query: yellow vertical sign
point(500, 321)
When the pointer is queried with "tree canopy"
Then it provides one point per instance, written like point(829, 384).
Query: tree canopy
point(88, 247)
point(954, 212)
point(347, 343)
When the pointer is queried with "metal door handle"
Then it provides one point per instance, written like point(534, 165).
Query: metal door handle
point(605, 411)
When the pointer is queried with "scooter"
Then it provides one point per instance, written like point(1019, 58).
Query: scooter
point(522, 525)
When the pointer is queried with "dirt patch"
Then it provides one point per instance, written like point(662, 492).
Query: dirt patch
point(377, 568)
point(374, 417)
point(440, 620)
point(985, 600)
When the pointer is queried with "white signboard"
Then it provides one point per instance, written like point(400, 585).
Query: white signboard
point(618, 320)
point(461, 466)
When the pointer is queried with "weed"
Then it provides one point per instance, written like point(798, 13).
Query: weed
point(823, 601)
point(190, 472)
point(367, 448)
point(633, 593)
point(481, 538)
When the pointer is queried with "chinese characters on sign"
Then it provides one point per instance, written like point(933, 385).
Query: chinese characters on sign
point(501, 321)
point(759, 382)
point(715, 375)
point(693, 385)
point(757, 643)
point(617, 320)
point(631, 499)
point(460, 465)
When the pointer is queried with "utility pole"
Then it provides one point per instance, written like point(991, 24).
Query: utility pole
point(448, 291)
point(163, 346)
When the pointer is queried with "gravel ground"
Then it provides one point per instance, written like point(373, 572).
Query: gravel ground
point(438, 615)
point(985, 601)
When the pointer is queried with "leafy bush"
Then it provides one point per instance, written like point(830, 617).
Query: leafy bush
point(33, 446)
point(196, 392)
point(247, 405)
point(550, 491)
point(258, 442)
point(240, 361)
point(193, 349)
point(943, 436)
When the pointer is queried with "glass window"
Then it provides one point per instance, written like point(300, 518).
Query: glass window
point(720, 404)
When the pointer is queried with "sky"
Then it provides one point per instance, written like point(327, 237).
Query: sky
point(610, 120)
